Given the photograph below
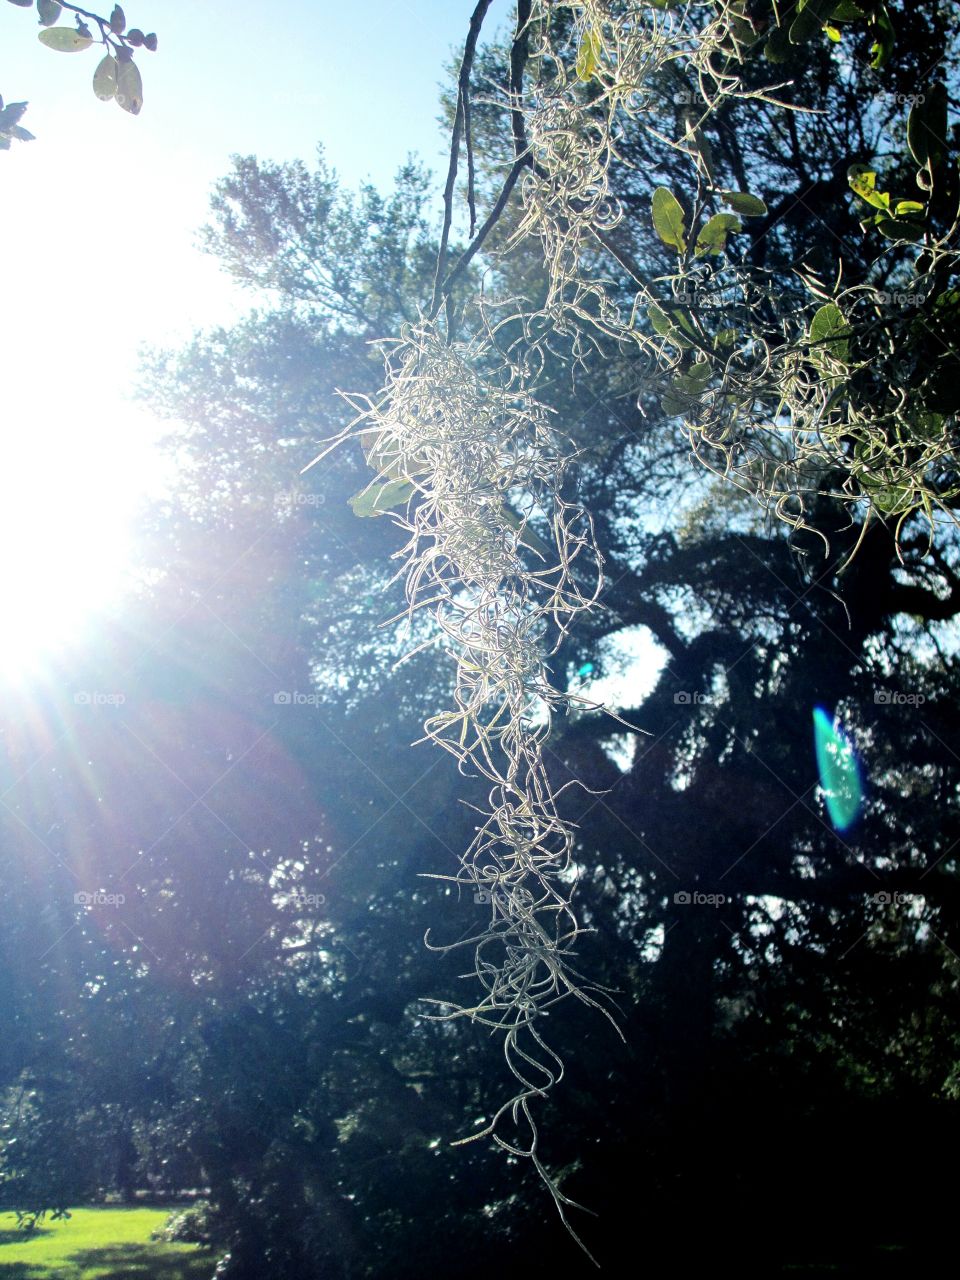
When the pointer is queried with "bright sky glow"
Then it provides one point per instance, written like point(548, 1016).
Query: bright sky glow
point(97, 222)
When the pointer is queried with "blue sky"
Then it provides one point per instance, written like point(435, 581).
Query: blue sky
point(98, 219)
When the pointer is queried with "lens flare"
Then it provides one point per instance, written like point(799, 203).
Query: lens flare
point(839, 771)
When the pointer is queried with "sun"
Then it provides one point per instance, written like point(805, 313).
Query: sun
point(69, 496)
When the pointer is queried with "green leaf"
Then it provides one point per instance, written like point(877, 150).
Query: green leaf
point(863, 181)
point(129, 87)
point(811, 17)
point(742, 29)
point(660, 321)
point(49, 11)
point(105, 79)
point(777, 48)
point(383, 455)
point(927, 126)
point(117, 21)
point(713, 236)
point(65, 39)
point(697, 376)
point(891, 499)
point(528, 537)
point(745, 204)
point(684, 389)
point(900, 229)
point(588, 54)
point(668, 219)
point(928, 426)
point(882, 46)
point(846, 11)
point(908, 206)
point(833, 34)
point(674, 402)
point(829, 330)
point(377, 499)
point(665, 326)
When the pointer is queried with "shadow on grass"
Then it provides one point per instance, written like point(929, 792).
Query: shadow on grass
point(120, 1262)
point(22, 1237)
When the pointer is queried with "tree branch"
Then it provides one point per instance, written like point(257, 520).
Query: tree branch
point(462, 116)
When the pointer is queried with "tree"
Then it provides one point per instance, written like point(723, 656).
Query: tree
point(808, 408)
point(807, 1012)
point(786, 633)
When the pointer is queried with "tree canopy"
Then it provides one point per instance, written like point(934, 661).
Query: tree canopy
point(722, 229)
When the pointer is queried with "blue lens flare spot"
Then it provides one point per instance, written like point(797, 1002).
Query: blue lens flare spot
point(586, 670)
point(839, 771)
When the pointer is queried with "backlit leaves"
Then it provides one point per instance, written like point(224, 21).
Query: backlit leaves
point(105, 78)
point(713, 236)
point(927, 126)
point(65, 39)
point(129, 87)
point(830, 331)
point(49, 11)
point(747, 205)
point(10, 127)
point(668, 219)
point(588, 54)
point(378, 499)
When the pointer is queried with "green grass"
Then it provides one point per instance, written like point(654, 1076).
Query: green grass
point(98, 1244)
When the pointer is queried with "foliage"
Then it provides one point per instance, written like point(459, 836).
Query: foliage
point(10, 126)
point(116, 78)
point(795, 407)
point(774, 976)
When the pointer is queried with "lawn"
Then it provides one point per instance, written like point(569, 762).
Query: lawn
point(98, 1244)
